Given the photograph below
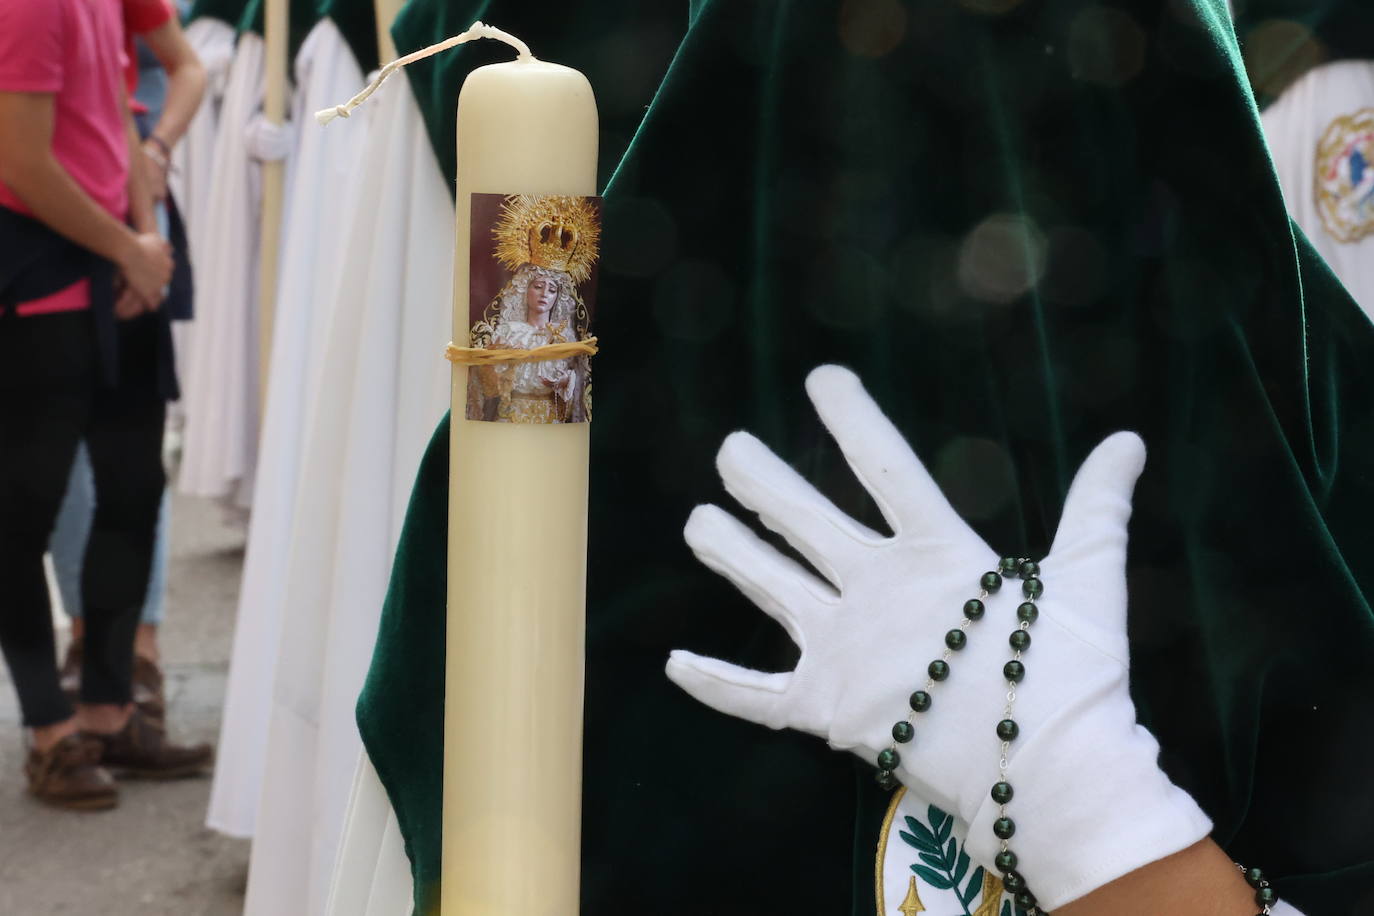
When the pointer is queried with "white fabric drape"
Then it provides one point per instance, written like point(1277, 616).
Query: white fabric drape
point(318, 201)
point(193, 158)
point(1335, 101)
point(220, 388)
point(382, 389)
point(372, 877)
point(192, 173)
point(367, 385)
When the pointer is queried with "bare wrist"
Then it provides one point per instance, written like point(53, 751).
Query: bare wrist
point(157, 151)
point(126, 249)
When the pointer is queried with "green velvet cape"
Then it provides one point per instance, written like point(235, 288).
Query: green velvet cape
point(1025, 230)
point(356, 19)
point(230, 11)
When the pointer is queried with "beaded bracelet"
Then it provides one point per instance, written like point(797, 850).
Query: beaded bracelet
point(1265, 895)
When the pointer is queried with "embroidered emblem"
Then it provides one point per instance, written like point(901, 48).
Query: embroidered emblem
point(922, 866)
point(1345, 176)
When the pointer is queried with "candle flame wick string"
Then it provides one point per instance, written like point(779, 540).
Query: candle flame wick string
point(477, 356)
point(475, 31)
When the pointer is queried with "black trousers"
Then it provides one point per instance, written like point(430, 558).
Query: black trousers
point(51, 397)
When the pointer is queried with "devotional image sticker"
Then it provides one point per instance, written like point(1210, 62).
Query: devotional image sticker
point(1345, 176)
point(532, 284)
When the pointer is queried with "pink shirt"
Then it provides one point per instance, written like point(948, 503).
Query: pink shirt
point(140, 17)
point(75, 50)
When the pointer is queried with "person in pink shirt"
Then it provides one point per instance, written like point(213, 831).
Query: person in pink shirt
point(70, 371)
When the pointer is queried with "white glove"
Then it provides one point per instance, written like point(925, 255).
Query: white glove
point(1091, 803)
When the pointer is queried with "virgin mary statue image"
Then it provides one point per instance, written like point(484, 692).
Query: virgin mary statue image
point(549, 244)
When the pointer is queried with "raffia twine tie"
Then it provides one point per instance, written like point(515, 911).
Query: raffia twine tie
point(476, 356)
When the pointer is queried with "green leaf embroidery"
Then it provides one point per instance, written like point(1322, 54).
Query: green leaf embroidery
point(925, 839)
point(942, 827)
point(915, 842)
point(961, 869)
point(945, 864)
point(933, 878)
point(932, 861)
point(1006, 908)
point(975, 886)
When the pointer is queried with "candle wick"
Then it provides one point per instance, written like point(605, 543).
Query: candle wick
point(473, 32)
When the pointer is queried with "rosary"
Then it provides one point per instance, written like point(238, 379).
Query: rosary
point(1007, 729)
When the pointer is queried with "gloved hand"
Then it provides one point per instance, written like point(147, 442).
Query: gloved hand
point(1091, 803)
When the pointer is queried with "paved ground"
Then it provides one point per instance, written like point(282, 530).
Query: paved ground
point(152, 856)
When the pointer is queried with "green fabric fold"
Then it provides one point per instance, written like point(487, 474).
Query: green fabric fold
point(357, 22)
point(302, 16)
point(230, 11)
point(1025, 230)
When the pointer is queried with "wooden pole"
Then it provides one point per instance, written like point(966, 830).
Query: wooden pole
point(277, 26)
point(386, 14)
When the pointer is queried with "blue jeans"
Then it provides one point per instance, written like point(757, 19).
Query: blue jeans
point(68, 543)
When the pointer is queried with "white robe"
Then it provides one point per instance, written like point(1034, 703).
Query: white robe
point(372, 877)
point(220, 382)
point(192, 174)
point(1326, 104)
point(320, 191)
point(381, 388)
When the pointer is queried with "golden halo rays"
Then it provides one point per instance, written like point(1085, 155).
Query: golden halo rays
point(557, 232)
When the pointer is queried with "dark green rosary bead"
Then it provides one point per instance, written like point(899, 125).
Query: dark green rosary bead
point(887, 780)
point(902, 732)
point(1004, 827)
point(991, 581)
point(1025, 900)
point(973, 609)
point(888, 759)
point(1007, 730)
point(1007, 566)
point(1002, 792)
point(1253, 877)
point(1013, 882)
point(1005, 861)
point(1028, 612)
point(938, 670)
point(1014, 670)
point(956, 639)
point(1020, 640)
point(920, 701)
point(1032, 588)
point(1028, 570)
point(1266, 896)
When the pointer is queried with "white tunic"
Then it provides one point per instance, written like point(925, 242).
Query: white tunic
point(1321, 133)
point(192, 175)
point(379, 387)
point(320, 193)
point(220, 381)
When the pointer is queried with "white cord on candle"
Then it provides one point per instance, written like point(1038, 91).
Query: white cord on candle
point(475, 31)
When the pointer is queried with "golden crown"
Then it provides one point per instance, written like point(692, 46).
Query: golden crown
point(557, 232)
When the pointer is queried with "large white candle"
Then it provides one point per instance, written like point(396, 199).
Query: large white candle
point(517, 550)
